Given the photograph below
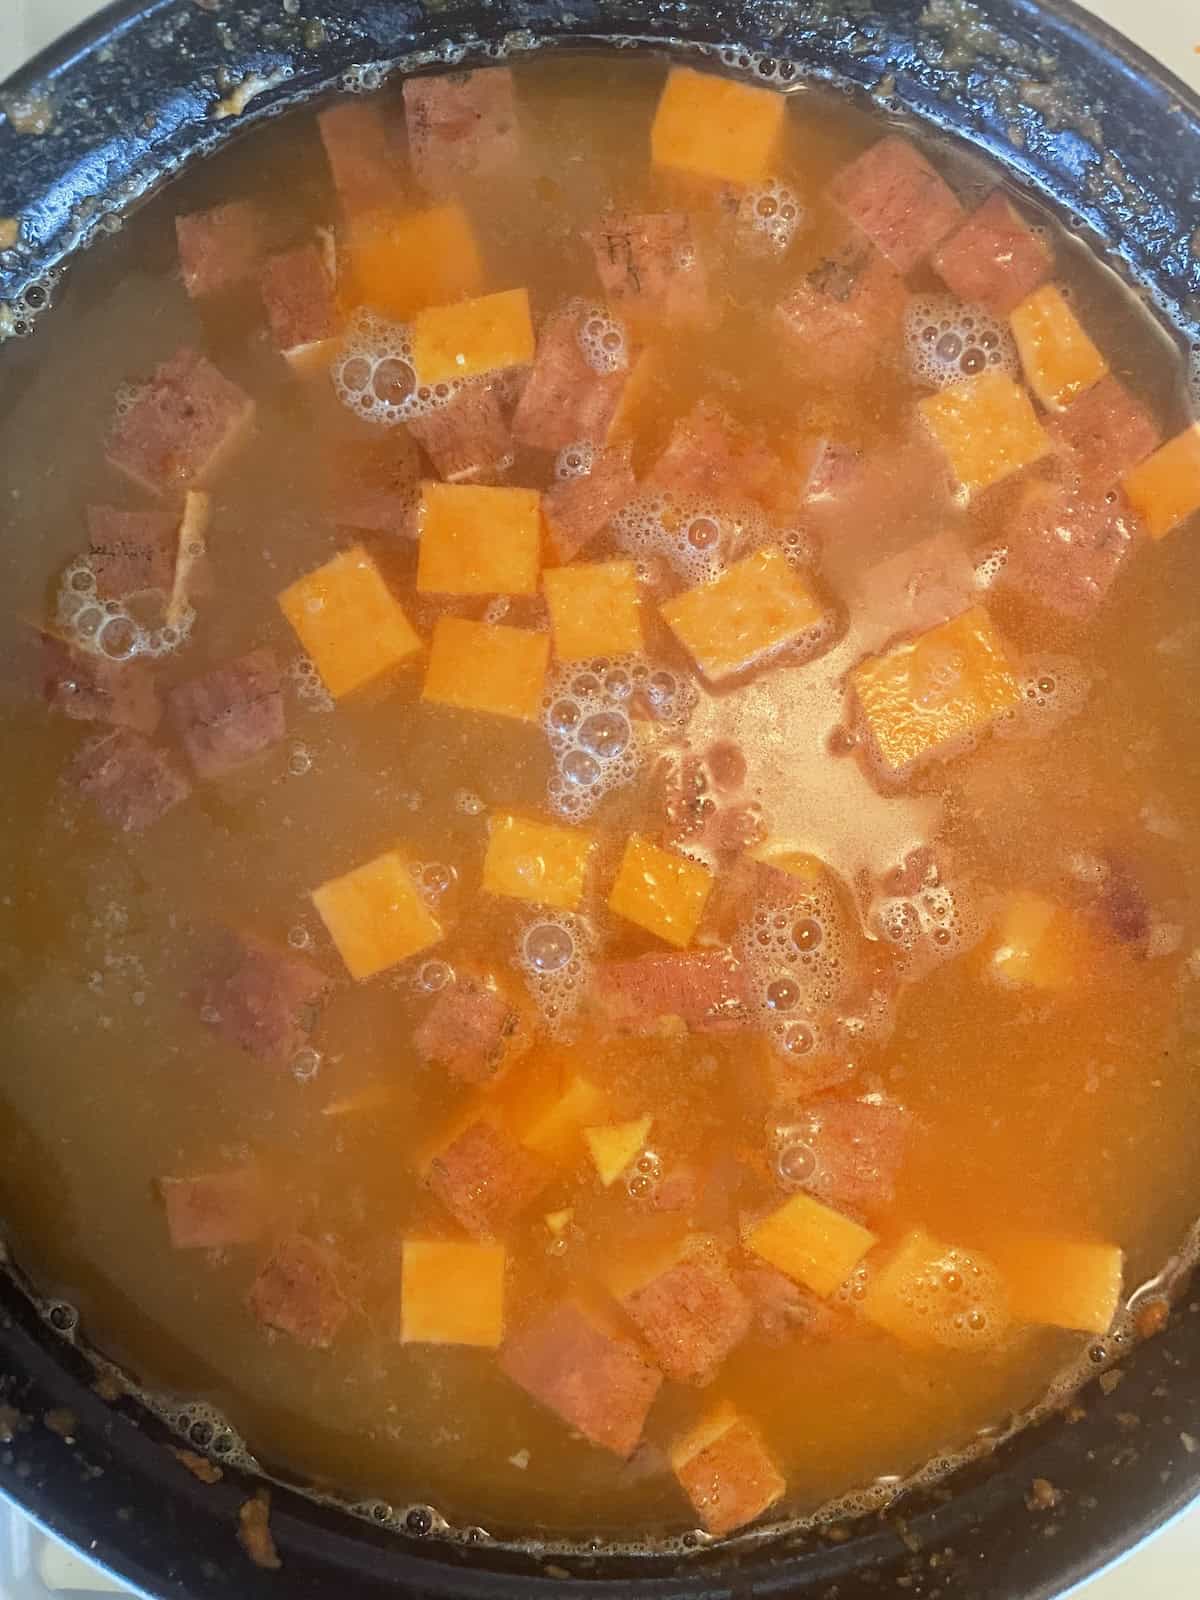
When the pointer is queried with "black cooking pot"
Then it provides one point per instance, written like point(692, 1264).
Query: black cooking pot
point(1091, 127)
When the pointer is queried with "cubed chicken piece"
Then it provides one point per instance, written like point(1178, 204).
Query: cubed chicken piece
point(297, 1292)
point(928, 693)
point(927, 1294)
point(298, 294)
point(709, 457)
point(474, 1028)
point(898, 200)
point(1164, 490)
point(1107, 431)
point(650, 268)
point(660, 891)
point(472, 337)
point(215, 1209)
point(485, 1179)
point(716, 128)
point(540, 862)
point(987, 427)
point(219, 249)
point(349, 622)
point(566, 400)
point(760, 606)
point(1038, 944)
point(399, 262)
point(182, 427)
point(376, 916)
point(478, 666)
point(704, 990)
point(131, 782)
point(811, 1243)
point(468, 440)
point(995, 259)
point(575, 510)
point(361, 152)
point(1066, 546)
point(727, 1472)
point(229, 715)
point(452, 1293)
point(1059, 359)
point(690, 1316)
point(615, 1146)
point(91, 688)
point(1060, 1283)
point(478, 541)
point(842, 319)
point(847, 1152)
point(781, 1310)
point(259, 998)
point(461, 125)
point(595, 609)
point(598, 1383)
point(374, 484)
point(131, 552)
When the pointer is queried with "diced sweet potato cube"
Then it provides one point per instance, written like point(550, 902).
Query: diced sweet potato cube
point(598, 1384)
point(1165, 488)
point(897, 199)
point(704, 990)
point(715, 127)
point(298, 294)
point(349, 622)
point(131, 782)
point(469, 439)
point(690, 1316)
point(219, 249)
point(594, 609)
point(1060, 1283)
point(927, 1293)
point(474, 1028)
point(92, 688)
point(987, 427)
point(215, 1209)
point(575, 510)
point(726, 1472)
point(375, 483)
point(842, 319)
point(361, 154)
point(1039, 945)
point(1107, 431)
point(650, 268)
point(470, 337)
point(375, 915)
point(478, 540)
point(297, 1292)
point(855, 1149)
point(400, 262)
point(555, 1130)
point(452, 1293)
point(758, 606)
point(643, 398)
point(537, 861)
point(182, 428)
point(259, 998)
point(614, 1145)
point(131, 552)
point(557, 1222)
point(1058, 358)
point(1066, 546)
point(565, 399)
point(477, 666)
point(485, 1179)
point(810, 1242)
point(995, 259)
point(952, 681)
point(461, 125)
point(230, 714)
point(660, 891)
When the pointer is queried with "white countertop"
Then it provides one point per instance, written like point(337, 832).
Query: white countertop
point(1168, 1568)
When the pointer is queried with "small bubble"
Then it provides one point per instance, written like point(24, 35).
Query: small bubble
point(807, 934)
point(783, 994)
point(548, 947)
point(300, 761)
point(797, 1163)
point(799, 1039)
point(299, 938)
point(580, 768)
point(436, 879)
point(434, 976)
point(419, 1522)
point(468, 803)
point(605, 734)
point(564, 716)
point(306, 1063)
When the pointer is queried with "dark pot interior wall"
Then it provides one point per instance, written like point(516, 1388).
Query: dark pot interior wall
point(1091, 127)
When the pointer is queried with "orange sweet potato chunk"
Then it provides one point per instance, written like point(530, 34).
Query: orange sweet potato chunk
point(1061, 1283)
point(349, 621)
point(810, 1243)
point(375, 915)
point(399, 263)
point(757, 606)
point(452, 1292)
point(595, 609)
point(1059, 359)
point(541, 862)
point(726, 1471)
point(1039, 945)
point(471, 337)
point(477, 540)
point(713, 127)
point(1165, 488)
point(479, 667)
point(927, 1293)
point(987, 427)
point(660, 891)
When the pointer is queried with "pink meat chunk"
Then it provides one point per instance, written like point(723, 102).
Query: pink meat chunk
point(485, 1178)
point(360, 151)
point(131, 782)
point(995, 259)
point(131, 551)
point(706, 990)
point(565, 401)
point(215, 1209)
point(898, 200)
point(680, 1189)
point(219, 249)
point(375, 484)
point(298, 294)
point(469, 440)
point(297, 1292)
point(91, 688)
point(843, 319)
point(649, 266)
point(183, 426)
point(461, 125)
point(259, 998)
point(1066, 547)
point(847, 1152)
point(599, 1385)
point(472, 1029)
point(1122, 903)
point(781, 1310)
point(691, 1316)
point(709, 457)
point(869, 505)
point(577, 510)
point(927, 582)
point(1108, 432)
point(229, 715)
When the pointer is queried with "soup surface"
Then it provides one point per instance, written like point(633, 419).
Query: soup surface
point(599, 870)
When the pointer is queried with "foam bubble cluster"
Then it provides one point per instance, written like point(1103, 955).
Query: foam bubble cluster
point(1053, 690)
point(575, 461)
point(374, 376)
point(554, 953)
point(603, 340)
point(768, 218)
point(117, 629)
point(797, 947)
point(925, 920)
point(947, 341)
point(959, 1299)
point(306, 681)
point(989, 564)
point(698, 539)
point(433, 879)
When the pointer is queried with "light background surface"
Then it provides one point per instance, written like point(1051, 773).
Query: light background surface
point(1169, 1567)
